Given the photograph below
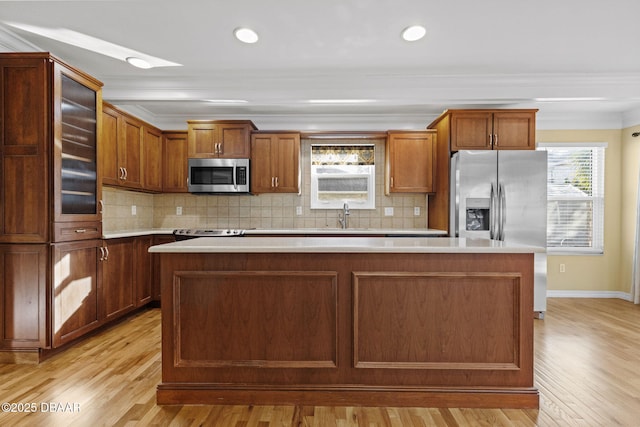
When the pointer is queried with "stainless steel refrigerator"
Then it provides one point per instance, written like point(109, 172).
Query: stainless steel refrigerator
point(502, 195)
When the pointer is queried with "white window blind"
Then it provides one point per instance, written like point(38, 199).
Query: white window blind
point(575, 197)
point(343, 174)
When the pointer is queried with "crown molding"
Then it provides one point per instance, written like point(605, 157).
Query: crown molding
point(11, 42)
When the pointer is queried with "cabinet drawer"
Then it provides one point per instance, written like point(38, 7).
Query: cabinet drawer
point(69, 231)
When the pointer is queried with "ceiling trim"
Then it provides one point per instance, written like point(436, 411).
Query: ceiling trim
point(11, 42)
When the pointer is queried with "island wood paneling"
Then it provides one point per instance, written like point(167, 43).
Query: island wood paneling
point(494, 367)
point(403, 320)
point(255, 319)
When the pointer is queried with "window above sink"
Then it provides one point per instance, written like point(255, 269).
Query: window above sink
point(343, 174)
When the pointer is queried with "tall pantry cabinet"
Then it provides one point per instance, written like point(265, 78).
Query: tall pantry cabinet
point(50, 208)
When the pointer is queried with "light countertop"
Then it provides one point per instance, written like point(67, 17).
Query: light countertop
point(417, 232)
point(136, 233)
point(249, 244)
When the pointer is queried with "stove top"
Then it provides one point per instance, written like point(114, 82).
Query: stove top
point(192, 233)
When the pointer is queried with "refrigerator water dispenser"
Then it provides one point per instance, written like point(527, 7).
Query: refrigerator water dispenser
point(477, 214)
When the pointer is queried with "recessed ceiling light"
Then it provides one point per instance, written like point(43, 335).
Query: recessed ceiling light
point(413, 33)
point(246, 35)
point(138, 62)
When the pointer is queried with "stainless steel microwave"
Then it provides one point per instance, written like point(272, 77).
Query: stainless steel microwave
point(218, 176)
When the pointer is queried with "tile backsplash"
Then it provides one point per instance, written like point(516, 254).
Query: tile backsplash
point(261, 211)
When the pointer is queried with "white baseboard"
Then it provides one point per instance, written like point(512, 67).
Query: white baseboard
point(589, 294)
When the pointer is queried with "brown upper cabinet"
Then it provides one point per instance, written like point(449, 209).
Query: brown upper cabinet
point(152, 158)
point(409, 162)
point(219, 138)
point(131, 153)
point(49, 127)
point(275, 162)
point(491, 129)
point(174, 165)
point(121, 148)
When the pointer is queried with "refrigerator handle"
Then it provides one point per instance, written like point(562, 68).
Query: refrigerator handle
point(503, 210)
point(492, 214)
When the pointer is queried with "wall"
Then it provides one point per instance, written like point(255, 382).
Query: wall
point(597, 274)
point(262, 211)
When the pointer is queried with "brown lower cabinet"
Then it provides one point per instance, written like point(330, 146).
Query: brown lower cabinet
point(144, 274)
point(75, 293)
point(23, 295)
point(158, 239)
point(52, 294)
point(118, 278)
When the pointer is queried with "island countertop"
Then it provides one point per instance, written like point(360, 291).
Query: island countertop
point(341, 245)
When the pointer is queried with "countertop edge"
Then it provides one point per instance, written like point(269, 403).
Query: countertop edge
point(343, 245)
point(136, 233)
point(293, 232)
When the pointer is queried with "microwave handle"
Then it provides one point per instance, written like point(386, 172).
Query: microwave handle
point(235, 184)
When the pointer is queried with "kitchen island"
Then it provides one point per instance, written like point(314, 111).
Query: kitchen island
point(437, 322)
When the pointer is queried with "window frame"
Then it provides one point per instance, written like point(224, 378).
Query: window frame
point(364, 171)
point(597, 198)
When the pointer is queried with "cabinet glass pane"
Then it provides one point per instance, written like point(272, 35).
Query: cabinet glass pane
point(79, 181)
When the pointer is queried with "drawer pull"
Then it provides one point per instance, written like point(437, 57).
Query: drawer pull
point(81, 230)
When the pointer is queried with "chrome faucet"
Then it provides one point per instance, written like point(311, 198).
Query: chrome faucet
point(343, 218)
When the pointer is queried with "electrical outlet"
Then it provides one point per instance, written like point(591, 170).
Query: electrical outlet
point(562, 268)
point(298, 210)
point(178, 210)
point(388, 211)
point(416, 211)
point(134, 210)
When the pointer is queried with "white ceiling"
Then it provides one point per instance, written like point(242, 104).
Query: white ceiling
point(493, 53)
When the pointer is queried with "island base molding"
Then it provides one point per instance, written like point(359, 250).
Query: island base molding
point(209, 394)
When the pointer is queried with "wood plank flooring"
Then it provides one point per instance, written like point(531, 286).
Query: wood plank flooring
point(587, 370)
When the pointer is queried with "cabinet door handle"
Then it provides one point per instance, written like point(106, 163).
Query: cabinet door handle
point(495, 139)
point(121, 173)
point(276, 181)
point(106, 253)
point(101, 253)
point(490, 140)
point(101, 206)
point(219, 147)
point(272, 182)
point(126, 173)
point(391, 182)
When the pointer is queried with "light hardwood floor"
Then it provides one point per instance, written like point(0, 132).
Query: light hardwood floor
point(587, 370)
